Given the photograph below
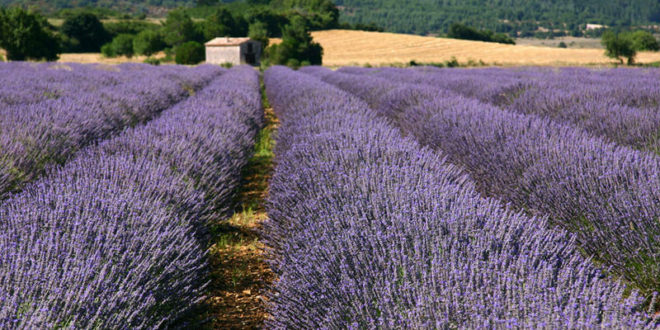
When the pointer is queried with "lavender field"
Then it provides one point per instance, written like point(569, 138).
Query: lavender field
point(415, 198)
point(113, 234)
point(480, 198)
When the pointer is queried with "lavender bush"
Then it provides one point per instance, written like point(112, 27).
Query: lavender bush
point(620, 105)
point(608, 195)
point(34, 135)
point(370, 230)
point(111, 239)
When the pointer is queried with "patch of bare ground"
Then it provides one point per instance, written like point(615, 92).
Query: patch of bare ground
point(240, 275)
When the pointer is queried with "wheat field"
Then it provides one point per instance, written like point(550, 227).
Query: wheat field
point(345, 47)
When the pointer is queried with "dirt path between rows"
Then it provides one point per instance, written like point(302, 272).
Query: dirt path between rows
point(240, 275)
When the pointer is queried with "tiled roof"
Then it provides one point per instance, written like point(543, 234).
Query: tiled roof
point(226, 41)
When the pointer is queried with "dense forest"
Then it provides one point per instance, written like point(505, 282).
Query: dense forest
point(516, 17)
point(526, 18)
point(117, 6)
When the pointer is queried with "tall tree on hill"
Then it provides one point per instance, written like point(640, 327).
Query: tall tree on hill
point(178, 28)
point(297, 46)
point(25, 35)
point(84, 32)
point(223, 24)
point(320, 14)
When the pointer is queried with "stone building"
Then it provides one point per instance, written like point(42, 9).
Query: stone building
point(233, 50)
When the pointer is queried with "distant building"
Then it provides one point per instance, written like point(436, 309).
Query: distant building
point(233, 50)
point(595, 26)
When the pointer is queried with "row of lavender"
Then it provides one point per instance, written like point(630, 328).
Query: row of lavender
point(36, 134)
point(621, 105)
point(116, 238)
point(370, 230)
point(608, 195)
point(24, 82)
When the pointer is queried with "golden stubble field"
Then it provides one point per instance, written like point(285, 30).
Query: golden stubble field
point(98, 58)
point(345, 47)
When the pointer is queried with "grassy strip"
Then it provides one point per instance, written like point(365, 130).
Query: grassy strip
point(239, 272)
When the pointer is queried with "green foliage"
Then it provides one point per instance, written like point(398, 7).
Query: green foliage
point(107, 50)
point(103, 8)
point(129, 27)
point(258, 32)
point(121, 45)
point(562, 45)
point(643, 40)
point(320, 14)
point(222, 23)
point(148, 42)
point(178, 28)
point(101, 13)
point(25, 35)
point(206, 3)
point(461, 31)
point(618, 46)
point(503, 16)
point(152, 61)
point(296, 46)
point(84, 33)
point(191, 52)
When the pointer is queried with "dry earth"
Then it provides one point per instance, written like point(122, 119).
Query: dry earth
point(345, 47)
point(98, 58)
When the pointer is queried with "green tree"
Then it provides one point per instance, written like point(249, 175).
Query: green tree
point(148, 42)
point(25, 35)
point(297, 44)
point(123, 45)
point(220, 24)
point(618, 46)
point(178, 28)
point(643, 40)
point(206, 3)
point(191, 52)
point(84, 32)
point(320, 14)
point(258, 32)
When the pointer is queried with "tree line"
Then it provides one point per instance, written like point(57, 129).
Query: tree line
point(28, 35)
point(518, 18)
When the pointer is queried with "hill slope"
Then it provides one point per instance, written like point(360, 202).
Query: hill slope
point(344, 47)
point(123, 6)
point(434, 16)
point(429, 16)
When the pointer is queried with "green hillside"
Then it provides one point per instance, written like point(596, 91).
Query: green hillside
point(121, 6)
point(511, 16)
point(515, 17)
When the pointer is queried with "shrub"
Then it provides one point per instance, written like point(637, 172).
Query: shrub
point(461, 31)
point(148, 42)
point(108, 51)
point(152, 61)
point(120, 45)
point(191, 52)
